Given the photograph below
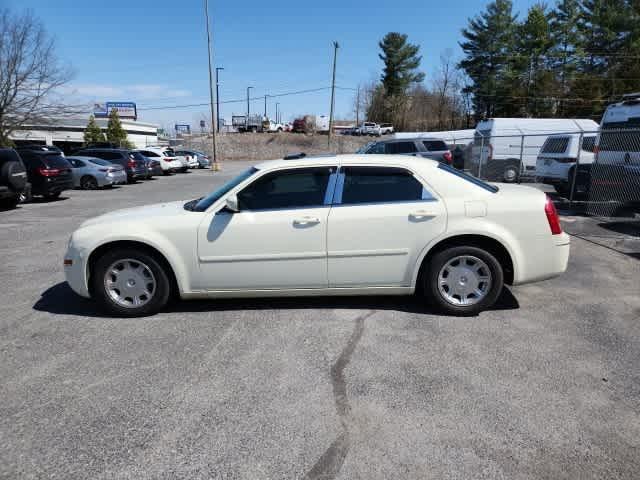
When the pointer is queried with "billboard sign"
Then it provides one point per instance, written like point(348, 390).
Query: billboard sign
point(124, 109)
point(183, 128)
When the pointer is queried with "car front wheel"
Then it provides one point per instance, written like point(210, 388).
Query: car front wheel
point(130, 283)
point(463, 281)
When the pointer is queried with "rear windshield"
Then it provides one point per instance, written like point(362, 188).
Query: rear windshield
point(99, 161)
point(169, 153)
point(137, 156)
point(619, 141)
point(555, 145)
point(434, 145)
point(588, 144)
point(55, 161)
point(468, 178)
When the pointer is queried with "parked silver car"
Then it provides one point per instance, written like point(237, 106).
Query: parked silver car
point(90, 173)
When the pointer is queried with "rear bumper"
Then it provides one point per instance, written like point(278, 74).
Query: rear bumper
point(116, 179)
point(545, 257)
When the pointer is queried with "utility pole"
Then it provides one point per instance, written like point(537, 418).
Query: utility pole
point(358, 107)
point(248, 105)
point(218, 99)
point(265, 106)
point(214, 166)
point(277, 113)
point(333, 91)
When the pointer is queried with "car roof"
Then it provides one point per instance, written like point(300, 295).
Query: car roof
point(103, 149)
point(351, 159)
point(82, 157)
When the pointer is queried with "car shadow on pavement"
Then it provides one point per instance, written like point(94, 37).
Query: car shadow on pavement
point(61, 300)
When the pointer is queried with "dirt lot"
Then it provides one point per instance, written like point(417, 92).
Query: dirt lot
point(547, 385)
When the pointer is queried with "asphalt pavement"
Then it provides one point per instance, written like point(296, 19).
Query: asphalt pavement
point(547, 385)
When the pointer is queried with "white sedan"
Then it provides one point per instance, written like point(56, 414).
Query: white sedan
point(341, 225)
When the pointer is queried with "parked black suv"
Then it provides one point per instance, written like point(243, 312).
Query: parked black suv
point(132, 162)
point(13, 178)
point(48, 171)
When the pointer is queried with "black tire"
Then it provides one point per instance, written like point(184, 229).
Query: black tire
point(52, 196)
point(9, 203)
point(88, 183)
point(440, 259)
point(160, 295)
point(511, 174)
point(25, 196)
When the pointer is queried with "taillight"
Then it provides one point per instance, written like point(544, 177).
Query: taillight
point(48, 172)
point(447, 157)
point(131, 164)
point(104, 170)
point(552, 217)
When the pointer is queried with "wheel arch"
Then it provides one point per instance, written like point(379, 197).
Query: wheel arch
point(493, 245)
point(137, 244)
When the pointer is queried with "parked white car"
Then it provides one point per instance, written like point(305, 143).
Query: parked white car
point(271, 126)
point(505, 149)
point(187, 158)
point(386, 129)
point(341, 225)
point(369, 128)
point(557, 159)
point(168, 161)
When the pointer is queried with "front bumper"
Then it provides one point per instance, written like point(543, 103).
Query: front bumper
point(75, 268)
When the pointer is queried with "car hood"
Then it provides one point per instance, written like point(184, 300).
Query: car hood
point(146, 213)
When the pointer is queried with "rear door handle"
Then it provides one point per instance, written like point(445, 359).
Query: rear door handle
point(306, 221)
point(421, 215)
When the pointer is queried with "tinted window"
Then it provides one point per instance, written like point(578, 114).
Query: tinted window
point(401, 147)
point(210, 199)
point(376, 185)
point(376, 148)
point(555, 145)
point(137, 156)
point(55, 161)
point(99, 161)
point(147, 153)
point(619, 141)
point(302, 187)
point(588, 144)
point(77, 163)
point(434, 145)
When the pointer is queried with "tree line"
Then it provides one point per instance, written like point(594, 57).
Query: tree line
point(569, 60)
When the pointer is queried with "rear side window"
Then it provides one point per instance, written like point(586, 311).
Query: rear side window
point(295, 188)
point(588, 144)
point(147, 153)
point(376, 148)
point(619, 141)
point(434, 145)
point(99, 161)
point(400, 147)
point(137, 156)
point(555, 145)
point(468, 178)
point(380, 185)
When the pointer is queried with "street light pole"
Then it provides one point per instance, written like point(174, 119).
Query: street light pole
point(333, 91)
point(215, 167)
point(218, 99)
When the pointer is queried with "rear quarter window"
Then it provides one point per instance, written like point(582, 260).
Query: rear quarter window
point(55, 161)
point(465, 176)
point(555, 145)
point(434, 145)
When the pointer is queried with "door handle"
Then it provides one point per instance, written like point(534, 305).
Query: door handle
point(421, 214)
point(306, 221)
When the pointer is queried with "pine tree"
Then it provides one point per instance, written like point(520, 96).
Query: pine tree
point(567, 49)
point(489, 47)
point(531, 62)
point(93, 134)
point(115, 133)
point(401, 62)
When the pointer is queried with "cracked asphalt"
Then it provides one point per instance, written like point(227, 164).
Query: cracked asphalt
point(547, 385)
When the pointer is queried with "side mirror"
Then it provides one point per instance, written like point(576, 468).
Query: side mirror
point(232, 204)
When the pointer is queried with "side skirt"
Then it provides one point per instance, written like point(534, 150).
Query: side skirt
point(299, 292)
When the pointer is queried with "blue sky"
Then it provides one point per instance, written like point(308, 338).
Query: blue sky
point(153, 52)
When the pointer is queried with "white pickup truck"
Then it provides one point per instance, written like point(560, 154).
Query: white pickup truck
point(369, 128)
point(271, 126)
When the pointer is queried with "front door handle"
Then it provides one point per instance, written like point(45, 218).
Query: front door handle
point(421, 215)
point(306, 221)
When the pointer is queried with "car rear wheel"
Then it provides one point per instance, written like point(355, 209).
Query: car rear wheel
point(510, 174)
point(130, 283)
point(88, 183)
point(463, 281)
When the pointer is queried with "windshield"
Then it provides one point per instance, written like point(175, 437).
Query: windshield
point(206, 202)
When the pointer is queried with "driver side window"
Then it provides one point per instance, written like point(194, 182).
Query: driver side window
point(285, 189)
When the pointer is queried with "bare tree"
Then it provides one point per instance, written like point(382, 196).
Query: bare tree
point(30, 73)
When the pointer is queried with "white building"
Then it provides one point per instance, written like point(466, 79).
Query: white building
point(68, 133)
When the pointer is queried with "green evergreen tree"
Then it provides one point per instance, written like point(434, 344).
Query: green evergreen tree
point(567, 50)
point(489, 47)
point(115, 133)
point(401, 63)
point(531, 64)
point(93, 133)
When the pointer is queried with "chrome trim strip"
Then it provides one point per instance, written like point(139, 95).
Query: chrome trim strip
point(369, 253)
point(262, 257)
